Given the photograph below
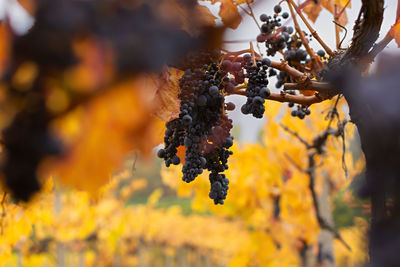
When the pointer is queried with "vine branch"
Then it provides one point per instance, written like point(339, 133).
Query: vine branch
point(317, 148)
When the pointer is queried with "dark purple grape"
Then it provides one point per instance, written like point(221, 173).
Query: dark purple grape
point(277, 9)
point(230, 106)
point(226, 65)
point(263, 17)
point(213, 90)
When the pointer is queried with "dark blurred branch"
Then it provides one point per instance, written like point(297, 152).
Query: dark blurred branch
point(378, 47)
point(318, 148)
point(366, 29)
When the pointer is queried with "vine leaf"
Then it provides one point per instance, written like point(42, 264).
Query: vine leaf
point(395, 32)
point(28, 5)
point(5, 49)
point(229, 12)
point(340, 4)
point(99, 135)
point(312, 10)
point(166, 96)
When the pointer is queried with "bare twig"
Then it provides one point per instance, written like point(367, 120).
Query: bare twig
point(378, 47)
point(321, 87)
point(295, 134)
point(312, 30)
point(344, 165)
point(253, 56)
point(289, 158)
point(252, 14)
point(298, 99)
point(316, 63)
point(337, 31)
point(317, 148)
point(321, 221)
point(3, 212)
point(283, 98)
point(297, 75)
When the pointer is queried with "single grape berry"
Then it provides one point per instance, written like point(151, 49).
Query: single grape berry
point(265, 93)
point(277, 9)
point(230, 106)
point(258, 100)
point(308, 111)
point(265, 28)
point(263, 17)
point(202, 101)
point(176, 160)
point(291, 105)
point(285, 15)
point(289, 30)
point(244, 109)
point(266, 62)
point(161, 153)
point(187, 119)
point(260, 38)
point(294, 113)
point(226, 65)
point(229, 87)
point(247, 57)
point(236, 66)
point(321, 53)
point(213, 90)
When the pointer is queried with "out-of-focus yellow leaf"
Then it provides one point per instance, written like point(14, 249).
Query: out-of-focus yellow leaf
point(95, 68)
point(395, 32)
point(356, 237)
point(166, 98)
point(154, 197)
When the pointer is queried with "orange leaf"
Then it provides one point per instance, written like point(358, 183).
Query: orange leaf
point(5, 40)
point(312, 10)
point(239, 2)
point(28, 5)
point(166, 98)
point(205, 15)
point(191, 18)
point(395, 32)
point(95, 68)
point(229, 13)
point(100, 134)
point(340, 4)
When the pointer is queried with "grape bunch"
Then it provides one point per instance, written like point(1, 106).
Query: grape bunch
point(217, 156)
point(284, 40)
point(257, 90)
point(273, 33)
point(299, 111)
point(201, 127)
